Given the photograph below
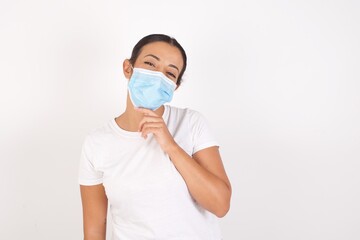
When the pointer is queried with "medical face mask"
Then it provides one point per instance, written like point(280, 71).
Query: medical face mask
point(150, 89)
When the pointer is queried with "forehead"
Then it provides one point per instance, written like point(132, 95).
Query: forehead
point(167, 53)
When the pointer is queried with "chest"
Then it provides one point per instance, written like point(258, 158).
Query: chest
point(140, 173)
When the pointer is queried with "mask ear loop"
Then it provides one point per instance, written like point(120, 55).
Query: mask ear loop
point(132, 68)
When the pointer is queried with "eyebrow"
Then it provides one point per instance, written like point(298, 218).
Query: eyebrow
point(157, 58)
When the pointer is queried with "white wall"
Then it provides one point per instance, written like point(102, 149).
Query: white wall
point(277, 80)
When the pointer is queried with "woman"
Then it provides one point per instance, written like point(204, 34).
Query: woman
point(158, 166)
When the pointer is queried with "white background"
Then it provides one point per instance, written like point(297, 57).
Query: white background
point(277, 80)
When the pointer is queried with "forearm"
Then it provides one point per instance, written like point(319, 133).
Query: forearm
point(207, 189)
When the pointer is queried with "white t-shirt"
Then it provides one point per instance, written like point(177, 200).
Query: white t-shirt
point(148, 197)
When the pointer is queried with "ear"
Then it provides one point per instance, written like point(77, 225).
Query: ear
point(127, 68)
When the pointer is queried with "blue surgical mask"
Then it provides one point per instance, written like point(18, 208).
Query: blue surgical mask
point(150, 89)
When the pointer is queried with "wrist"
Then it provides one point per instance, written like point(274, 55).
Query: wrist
point(172, 148)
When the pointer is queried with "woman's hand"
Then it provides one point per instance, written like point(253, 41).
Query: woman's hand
point(153, 123)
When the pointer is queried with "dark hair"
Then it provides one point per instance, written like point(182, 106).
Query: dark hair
point(159, 38)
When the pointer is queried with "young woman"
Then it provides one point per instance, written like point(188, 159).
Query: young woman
point(158, 166)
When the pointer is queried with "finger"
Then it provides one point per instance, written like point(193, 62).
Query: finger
point(148, 130)
point(146, 111)
point(147, 126)
point(151, 125)
point(148, 119)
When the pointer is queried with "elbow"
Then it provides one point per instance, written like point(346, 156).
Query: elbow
point(224, 206)
point(223, 211)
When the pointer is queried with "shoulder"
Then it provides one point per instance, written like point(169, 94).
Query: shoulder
point(186, 115)
point(186, 112)
point(98, 133)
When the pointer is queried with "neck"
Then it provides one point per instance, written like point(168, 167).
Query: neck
point(130, 119)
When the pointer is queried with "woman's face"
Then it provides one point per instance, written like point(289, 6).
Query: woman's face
point(161, 57)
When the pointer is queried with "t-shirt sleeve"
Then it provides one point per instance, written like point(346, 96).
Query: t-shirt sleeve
point(88, 171)
point(202, 134)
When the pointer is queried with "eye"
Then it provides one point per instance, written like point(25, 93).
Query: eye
point(150, 64)
point(171, 75)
